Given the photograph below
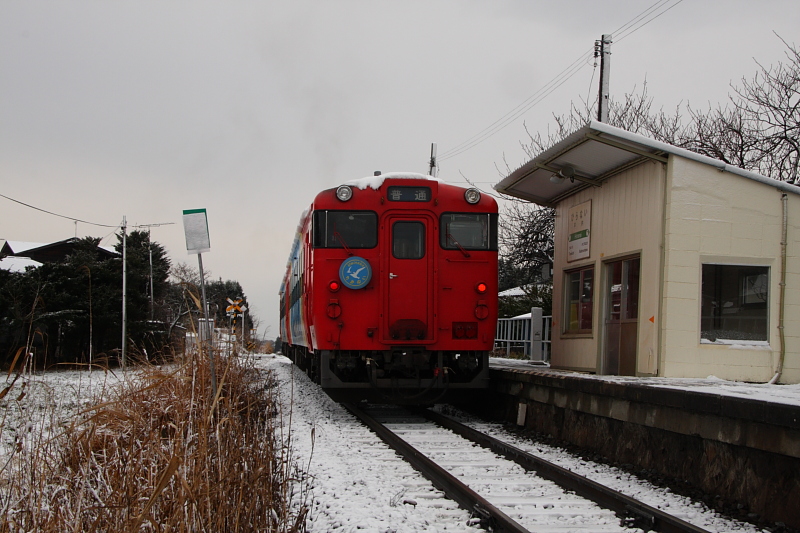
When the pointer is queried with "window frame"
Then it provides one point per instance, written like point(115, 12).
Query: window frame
point(422, 241)
point(491, 242)
point(743, 308)
point(319, 230)
point(567, 322)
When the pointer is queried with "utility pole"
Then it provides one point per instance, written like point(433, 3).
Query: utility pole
point(150, 248)
point(432, 169)
point(603, 49)
point(124, 287)
point(152, 303)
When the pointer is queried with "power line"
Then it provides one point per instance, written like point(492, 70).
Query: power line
point(645, 23)
point(640, 16)
point(85, 221)
point(626, 30)
point(57, 215)
point(521, 109)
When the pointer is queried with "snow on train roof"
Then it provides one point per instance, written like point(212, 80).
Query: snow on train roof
point(375, 182)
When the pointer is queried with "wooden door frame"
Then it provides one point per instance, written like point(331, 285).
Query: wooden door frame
point(605, 302)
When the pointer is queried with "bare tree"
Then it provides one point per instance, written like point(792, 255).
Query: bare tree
point(634, 114)
point(758, 129)
point(526, 242)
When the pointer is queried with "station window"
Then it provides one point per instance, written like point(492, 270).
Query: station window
point(468, 231)
point(580, 300)
point(345, 229)
point(734, 303)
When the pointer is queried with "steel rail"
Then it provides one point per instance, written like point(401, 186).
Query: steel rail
point(638, 513)
point(441, 478)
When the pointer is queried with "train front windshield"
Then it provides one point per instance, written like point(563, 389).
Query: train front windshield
point(470, 231)
point(345, 229)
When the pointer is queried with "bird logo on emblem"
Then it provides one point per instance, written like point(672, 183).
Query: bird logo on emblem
point(355, 272)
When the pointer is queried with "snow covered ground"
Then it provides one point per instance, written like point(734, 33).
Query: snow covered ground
point(785, 394)
point(355, 483)
point(351, 480)
point(39, 403)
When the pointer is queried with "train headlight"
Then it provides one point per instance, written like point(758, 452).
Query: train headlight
point(472, 196)
point(344, 193)
point(481, 311)
point(481, 288)
point(333, 286)
point(334, 310)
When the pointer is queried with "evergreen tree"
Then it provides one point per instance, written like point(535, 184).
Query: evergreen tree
point(143, 257)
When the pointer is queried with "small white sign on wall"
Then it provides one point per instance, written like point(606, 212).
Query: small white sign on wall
point(579, 231)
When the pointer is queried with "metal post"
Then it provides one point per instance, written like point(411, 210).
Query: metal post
point(432, 169)
point(124, 289)
point(536, 335)
point(91, 319)
point(605, 75)
point(152, 304)
point(204, 330)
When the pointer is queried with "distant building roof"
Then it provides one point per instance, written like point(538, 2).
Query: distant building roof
point(17, 264)
point(49, 252)
point(525, 290)
point(17, 247)
point(516, 291)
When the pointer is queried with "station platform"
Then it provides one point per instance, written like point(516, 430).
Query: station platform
point(737, 440)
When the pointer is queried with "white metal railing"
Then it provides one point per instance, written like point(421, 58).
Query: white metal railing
point(529, 334)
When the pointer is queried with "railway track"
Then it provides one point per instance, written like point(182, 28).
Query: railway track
point(506, 488)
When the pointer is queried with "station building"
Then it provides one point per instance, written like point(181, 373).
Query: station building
point(667, 263)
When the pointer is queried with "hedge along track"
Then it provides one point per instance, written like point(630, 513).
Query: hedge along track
point(518, 497)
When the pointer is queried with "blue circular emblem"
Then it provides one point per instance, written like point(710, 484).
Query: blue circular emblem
point(355, 272)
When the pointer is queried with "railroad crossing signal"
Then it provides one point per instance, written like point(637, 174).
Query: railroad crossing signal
point(234, 309)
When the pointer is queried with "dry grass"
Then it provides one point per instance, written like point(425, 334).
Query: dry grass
point(161, 455)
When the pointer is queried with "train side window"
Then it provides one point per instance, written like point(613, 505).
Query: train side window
point(408, 240)
point(345, 229)
point(468, 231)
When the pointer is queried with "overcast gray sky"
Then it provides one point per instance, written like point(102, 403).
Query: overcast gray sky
point(249, 108)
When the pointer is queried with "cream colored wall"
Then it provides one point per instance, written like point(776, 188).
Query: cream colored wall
point(719, 217)
point(627, 218)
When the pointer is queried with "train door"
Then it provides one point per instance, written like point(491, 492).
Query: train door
point(622, 317)
point(408, 306)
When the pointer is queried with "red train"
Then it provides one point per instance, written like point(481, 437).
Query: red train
point(391, 288)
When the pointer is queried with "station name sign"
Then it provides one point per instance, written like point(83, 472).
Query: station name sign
point(579, 231)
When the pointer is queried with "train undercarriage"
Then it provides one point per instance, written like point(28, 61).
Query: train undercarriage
point(402, 374)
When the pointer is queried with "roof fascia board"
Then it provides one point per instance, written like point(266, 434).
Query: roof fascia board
point(528, 198)
point(644, 153)
point(694, 156)
point(618, 138)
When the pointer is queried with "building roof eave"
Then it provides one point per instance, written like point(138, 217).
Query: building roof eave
point(593, 154)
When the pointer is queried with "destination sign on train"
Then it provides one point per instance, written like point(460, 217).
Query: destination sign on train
point(408, 194)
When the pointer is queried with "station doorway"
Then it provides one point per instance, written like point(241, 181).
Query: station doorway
point(621, 317)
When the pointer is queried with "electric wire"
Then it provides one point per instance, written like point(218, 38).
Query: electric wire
point(639, 17)
point(115, 227)
point(626, 30)
point(521, 109)
point(57, 215)
point(591, 81)
point(645, 23)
